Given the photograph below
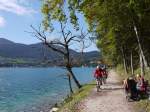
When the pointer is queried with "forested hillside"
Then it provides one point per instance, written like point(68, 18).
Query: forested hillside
point(17, 54)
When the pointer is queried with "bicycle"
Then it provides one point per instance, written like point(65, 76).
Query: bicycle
point(98, 83)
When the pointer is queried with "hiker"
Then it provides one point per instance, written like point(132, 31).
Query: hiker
point(98, 75)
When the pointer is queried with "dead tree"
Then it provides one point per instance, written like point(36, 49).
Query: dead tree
point(69, 82)
point(61, 45)
point(84, 39)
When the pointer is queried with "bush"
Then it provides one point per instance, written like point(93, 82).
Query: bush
point(120, 71)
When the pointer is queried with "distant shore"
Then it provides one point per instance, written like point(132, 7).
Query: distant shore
point(41, 65)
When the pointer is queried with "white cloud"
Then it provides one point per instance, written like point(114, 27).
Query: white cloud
point(16, 6)
point(2, 22)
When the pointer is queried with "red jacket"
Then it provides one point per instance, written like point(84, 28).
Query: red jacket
point(98, 73)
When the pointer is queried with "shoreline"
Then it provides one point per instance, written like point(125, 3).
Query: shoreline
point(70, 103)
point(42, 66)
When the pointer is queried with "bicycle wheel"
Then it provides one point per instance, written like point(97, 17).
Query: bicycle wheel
point(98, 87)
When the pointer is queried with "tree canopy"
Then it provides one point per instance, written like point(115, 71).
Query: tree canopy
point(121, 26)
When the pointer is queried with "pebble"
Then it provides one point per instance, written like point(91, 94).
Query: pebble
point(54, 109)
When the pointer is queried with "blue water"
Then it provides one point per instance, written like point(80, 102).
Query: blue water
point(35, 89)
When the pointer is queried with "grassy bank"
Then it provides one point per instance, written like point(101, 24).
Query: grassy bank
point(70, 103)
point(144, 104)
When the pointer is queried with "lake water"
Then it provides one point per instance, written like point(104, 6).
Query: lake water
point(36, 89)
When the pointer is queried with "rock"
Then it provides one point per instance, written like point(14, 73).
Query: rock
point(54, 109)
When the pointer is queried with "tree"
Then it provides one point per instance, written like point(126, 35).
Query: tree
point(121, 27)
point(125, 17)
point(62, 45)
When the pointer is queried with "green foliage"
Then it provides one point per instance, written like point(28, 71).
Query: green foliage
point(112, 21)
point(121, 73)
point(59, 10)
point(18, 61)
point(143, 105)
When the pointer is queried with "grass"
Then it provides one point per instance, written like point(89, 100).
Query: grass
point(70, 103)
point(143, 106)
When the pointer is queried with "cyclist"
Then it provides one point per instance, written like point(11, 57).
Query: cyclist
point(104, 75)
point(98, 75)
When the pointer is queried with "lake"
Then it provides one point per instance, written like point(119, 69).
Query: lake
point(36, 89)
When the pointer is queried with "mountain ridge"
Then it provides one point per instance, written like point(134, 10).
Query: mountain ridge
point(35, 52)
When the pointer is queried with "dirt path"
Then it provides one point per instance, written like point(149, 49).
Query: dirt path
point(110, 99)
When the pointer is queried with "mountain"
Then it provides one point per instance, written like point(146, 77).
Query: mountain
point(4, 41)
point(22, 53)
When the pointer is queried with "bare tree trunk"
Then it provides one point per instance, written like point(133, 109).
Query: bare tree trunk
point(73, 76)
point(70, 84)
point(69, 68)
point(142, 65)
point(124, 60)
point(132, 69)
point(140, 48)
point(82, 58)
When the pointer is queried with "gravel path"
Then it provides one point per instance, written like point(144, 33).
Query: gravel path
point(111, 98)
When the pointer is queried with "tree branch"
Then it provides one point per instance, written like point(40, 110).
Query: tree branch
point(41, 36)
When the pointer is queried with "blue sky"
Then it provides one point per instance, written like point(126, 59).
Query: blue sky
point(16, 16)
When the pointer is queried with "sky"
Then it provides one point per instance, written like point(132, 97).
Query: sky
point(16, 16)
